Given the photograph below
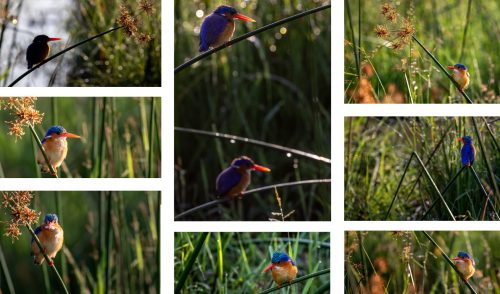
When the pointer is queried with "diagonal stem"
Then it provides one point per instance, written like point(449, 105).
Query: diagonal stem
point(39, 143)
point(491, 175)
point(486, 194)
point(297, 280)
point(47, 258)
point(248, 35)
point(445, 256)
point(255, 142)
point(226, 199)
point(60, 53)
point(434, 186)
point(399, 186)
point(443, 192)
point(443, 70)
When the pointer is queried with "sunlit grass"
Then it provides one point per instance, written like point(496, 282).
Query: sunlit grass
point(377, 151)
point(410, 262)
point(391, 73)
point(244, 257)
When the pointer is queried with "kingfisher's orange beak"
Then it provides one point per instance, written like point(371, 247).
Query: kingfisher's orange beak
point(261, 168)
point(54, 39)
point(243, 17)
point(456, 258)
point(460, 139)
point(69, 135)
point(268, 268)
point(451, 66)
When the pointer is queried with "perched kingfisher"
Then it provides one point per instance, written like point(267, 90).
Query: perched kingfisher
point(218, 27)
point(55, 146)
point(283, 268)
point(465, 265)
point(38, 50)
point(460, 75)
point(468, 151)
point(51, 236)
point(235, 179)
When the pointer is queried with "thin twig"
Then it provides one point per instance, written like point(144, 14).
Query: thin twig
point(226, 199)
point(60, 53)
point(255, 142)
point(248, 35)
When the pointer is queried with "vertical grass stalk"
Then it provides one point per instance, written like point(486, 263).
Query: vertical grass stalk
point(190, 262)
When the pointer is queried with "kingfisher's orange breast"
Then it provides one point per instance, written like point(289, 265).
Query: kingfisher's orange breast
point(465, 267)
point(284, 272)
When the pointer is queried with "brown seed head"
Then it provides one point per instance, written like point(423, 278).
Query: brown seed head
point(382, 31)
point(147, 6)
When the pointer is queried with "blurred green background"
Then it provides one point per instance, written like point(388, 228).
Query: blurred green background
point(233, 262)
point(440, 28)
point(122, 150)
point(111, 244)
point(407, 262)
point(377, 150)
point(274, 87)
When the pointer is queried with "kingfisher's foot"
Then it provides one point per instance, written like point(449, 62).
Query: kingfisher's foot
point(51, 263)
point(240, 196)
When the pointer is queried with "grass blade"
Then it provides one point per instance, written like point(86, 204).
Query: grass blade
point(190, 262)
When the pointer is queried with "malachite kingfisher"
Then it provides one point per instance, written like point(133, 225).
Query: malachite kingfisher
point(38, 50)
point(468, 151)
point(55, 146)
point(460, 75)
point(465, 265)
point(283, 268)
point(233, 181)
point(51, 236)
point(218, 27)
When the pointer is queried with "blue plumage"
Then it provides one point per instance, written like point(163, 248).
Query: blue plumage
point(468, 151)
point(212, 27)
point(235, 179)
point(218, 28)
point(227, 179)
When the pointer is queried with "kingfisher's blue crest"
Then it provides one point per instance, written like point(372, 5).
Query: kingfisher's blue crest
point(51, 217)
point(223, 9)
point(242, 162)
point(461, 66)
point(53, 130)
point(281, 256)
point(467, 139)
point(464, 255)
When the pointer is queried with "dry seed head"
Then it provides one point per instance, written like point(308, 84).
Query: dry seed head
point(24, 112)
point(144, 38)
point(147, 6)
point(382, 32)
point(17, 204)
point(406, 31)
point(128, 21)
